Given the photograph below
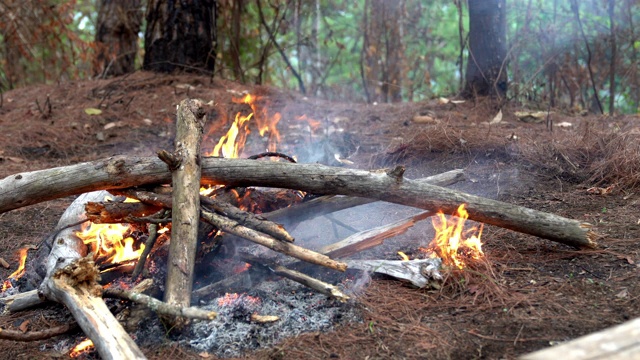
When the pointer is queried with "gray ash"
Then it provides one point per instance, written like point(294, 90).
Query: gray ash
point(298, 308)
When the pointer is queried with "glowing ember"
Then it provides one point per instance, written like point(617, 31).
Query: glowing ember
point(452, 243)
point(19, 272)
point(84, 346)
point(108, 242)
point(233, 299)
point(404, 256)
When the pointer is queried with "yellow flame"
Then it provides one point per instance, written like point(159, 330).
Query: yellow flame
point(82, 347)
point(19, 272)
point(108, 242)
point(452, 241)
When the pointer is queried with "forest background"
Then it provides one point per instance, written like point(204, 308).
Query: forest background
point(581, 56)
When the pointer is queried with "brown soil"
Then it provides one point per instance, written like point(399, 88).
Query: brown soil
point(529, 293)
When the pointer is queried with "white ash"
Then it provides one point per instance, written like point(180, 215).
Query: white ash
point(298, 308)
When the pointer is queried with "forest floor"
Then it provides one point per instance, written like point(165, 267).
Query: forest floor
point(534, 293)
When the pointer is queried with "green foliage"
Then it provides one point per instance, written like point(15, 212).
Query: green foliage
point(323, 41)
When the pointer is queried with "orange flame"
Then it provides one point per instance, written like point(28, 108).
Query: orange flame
point(452, 243)
point(19, 272)
point(231, 144)
point(84, 346)
point(108, 242)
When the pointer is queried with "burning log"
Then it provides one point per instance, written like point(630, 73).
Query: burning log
point(121, 172)
point(117, 212)
point(185, 168)
point(72, 280)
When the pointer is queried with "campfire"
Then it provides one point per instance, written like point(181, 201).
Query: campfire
point(201, 240)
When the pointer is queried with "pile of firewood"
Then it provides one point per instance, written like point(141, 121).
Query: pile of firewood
point(72, 276)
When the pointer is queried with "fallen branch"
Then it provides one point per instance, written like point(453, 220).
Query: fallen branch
point(21, 301)
point(122, 172)
point(161, 307)
point(313, 283)
point(17, 335)
point(72, 280)
point(186, 204)
point(286, 248)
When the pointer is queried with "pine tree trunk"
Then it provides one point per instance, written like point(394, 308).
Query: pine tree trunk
point(486, 66)
point(180, 35)
point(117, 37)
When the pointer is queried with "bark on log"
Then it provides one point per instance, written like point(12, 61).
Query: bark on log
point(121, 172)
point(72, 280)
point(116, 212)
point(185, 212)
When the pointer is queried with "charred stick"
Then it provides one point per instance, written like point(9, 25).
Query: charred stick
point(272, 154)
point(17, 335)
point(148, 245)
point(242, 217)
point(306, 280)
point(161, 307)
point(248, 219)
point(117, 212)
point(233, 227)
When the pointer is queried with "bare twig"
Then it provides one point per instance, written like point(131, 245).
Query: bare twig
point(161, 307)
point(17, 335)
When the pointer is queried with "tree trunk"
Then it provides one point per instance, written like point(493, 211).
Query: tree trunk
point(180, 35)
point(117, 37)
point(486, 66)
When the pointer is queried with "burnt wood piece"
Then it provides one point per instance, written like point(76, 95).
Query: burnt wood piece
point(117, 212)
point(17, 335)
point(72, 280)
point(185, 212)
point(286, 248)
point(122, 172)
point(227, 210)
point(21, 301)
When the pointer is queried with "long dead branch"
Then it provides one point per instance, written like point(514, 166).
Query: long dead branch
point(185, 212)
point(17, 335)
point(121, 172)
point(161, 307)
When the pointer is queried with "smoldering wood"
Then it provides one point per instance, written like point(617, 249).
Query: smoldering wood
point(148, 245)
point(248, 219)
point(72, 280)
point(186, 204)
point(420, 273)
point(117, 212)
point(286, 248)
point(373, 237)
point(123, 171)
point(227, 210)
